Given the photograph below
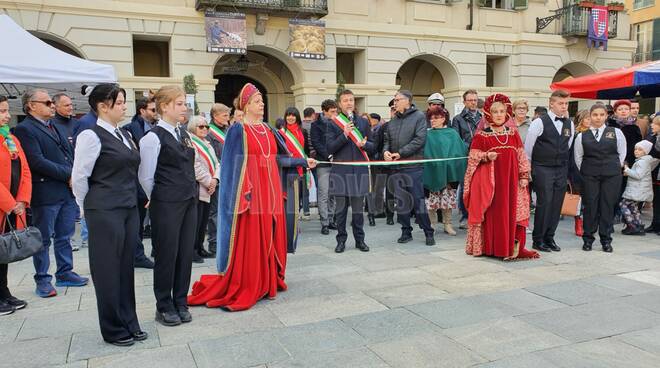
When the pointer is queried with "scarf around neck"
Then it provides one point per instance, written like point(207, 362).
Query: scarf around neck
point(9, 140)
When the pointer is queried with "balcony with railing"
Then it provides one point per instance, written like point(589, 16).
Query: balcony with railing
point(573, 19)
point(296, 8)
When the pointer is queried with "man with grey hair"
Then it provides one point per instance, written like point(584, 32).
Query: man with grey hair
point(404, 138)
point(64, 115)
point(54, 209)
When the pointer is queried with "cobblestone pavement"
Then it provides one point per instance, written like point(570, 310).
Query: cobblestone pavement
point(396, 306)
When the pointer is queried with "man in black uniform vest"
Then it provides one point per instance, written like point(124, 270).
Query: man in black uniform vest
point(547, 146)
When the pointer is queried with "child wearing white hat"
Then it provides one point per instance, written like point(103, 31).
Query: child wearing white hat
point(639, 188)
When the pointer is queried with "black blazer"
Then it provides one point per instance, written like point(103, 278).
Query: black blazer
point(50, 157)
point(317, 135)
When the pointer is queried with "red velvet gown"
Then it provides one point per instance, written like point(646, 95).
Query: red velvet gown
point(498, 208)
point(258, 262)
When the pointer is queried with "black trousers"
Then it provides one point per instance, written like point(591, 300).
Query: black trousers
point(656, 206)
point(550, 187)
point(357, 220)
point(4, 268)
point(203, 210)
point(409, 191)
point(139, 247)
point(600, 198)
point(112, 235)
point(212, 229)
point(173, 228)
point(376, 199)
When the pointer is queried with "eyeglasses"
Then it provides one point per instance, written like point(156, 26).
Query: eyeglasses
point(48, 103)
point(202, 127)
point(153, 109)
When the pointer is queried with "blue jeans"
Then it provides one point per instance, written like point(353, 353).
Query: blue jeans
point(55, 221)
point(84, 234)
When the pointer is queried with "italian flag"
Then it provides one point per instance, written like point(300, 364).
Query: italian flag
point(342, 121)
point(217, 133)
point(300, 152)
point(206, 153)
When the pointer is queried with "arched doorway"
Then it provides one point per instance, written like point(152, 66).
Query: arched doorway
point(572, 70)
point(266, 71)
point(229, 85)
point(424, 75)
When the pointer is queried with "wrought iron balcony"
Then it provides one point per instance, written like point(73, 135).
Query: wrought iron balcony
point(296, 8)
point(574, 20)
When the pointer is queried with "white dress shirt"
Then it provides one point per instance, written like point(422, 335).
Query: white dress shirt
point(87, 151)
point(149, 151)
point(621, 145)
point(536, 129)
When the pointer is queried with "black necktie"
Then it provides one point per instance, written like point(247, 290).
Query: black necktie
point(178, 134)
point(558, 118)
point(596, 134)
point(118, 134)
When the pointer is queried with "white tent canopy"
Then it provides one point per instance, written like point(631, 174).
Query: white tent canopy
point(33, 63)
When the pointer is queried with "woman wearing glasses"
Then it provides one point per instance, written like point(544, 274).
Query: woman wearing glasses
point(207, 173)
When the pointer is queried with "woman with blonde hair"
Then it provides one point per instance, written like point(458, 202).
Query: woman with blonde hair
point(167, 175)
point(520, 109)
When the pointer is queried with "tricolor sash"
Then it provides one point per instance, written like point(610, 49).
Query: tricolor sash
point(298, 151)
point(217, 133)
point(206, 153)
point(342, 121)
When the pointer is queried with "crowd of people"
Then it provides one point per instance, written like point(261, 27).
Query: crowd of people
point(240, 184)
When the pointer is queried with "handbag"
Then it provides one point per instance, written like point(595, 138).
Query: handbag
point(17, 245)
point(572, 203)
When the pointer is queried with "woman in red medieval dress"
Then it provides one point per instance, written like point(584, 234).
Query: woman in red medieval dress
point(251, 256)
point(496, 182)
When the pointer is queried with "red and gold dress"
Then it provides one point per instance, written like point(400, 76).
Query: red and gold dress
point(257, 261)
point(498, 206)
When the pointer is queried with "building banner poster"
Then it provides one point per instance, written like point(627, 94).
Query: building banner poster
point(307, 39)
point(225, 32)
point(598, 27)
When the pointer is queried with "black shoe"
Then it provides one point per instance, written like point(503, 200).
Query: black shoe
point(586, 247)
point(213, 249)
point(638, 230)
point(140, 336)
point(325, 230)
point(205, 254)
point(628, 230)
point(332, 226)
point(381, 215)
point(6, 309)
point(405, 238)
point(123, 342)
point(197, 258)
point(184, 314)
point(362, 246)
point(552, 246)
point(146, 233)
point(16, 303)
point(144, 263)
point(607, 247)
point(341, 246)
point(168, 318)
point(430, 240)
point(372, 220)
point(540, 247)
point(652, 229)
point(390, 221)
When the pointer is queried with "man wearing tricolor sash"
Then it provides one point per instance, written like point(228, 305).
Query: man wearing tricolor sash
point(405, 137)
point(348, 141)
point(218, 126)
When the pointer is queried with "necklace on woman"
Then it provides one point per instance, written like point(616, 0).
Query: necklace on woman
point(255, 125)
point(506, 140)
point(252, 129)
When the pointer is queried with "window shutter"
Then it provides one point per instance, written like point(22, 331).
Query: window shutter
point(481, 3)
point(519, 4)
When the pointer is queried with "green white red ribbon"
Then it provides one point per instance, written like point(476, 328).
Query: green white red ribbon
point(288, 136)
point(391, 163)
point(205, 152)
point(342, 121)
point(217, 133)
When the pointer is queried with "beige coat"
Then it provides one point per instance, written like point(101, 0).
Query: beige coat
point(203, 174)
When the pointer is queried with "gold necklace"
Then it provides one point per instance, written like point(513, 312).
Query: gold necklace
point(498, 140)
point(252, 129)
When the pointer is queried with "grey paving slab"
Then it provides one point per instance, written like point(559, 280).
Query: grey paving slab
point(390, 325)
point(426, 350)
point(398, 296)
point(35, 353)
point(318, 337)
point(165, 357)
point(299, 289)
point(649, 301)
point(621, 284)
point(575, 292)
point(463, 311)
point(499, 338)
point(647, 340)
point(325, 307)
point(90, 344)
point(603, 353)
point(9, 330)
point(238, 351)
point(525, 301)
point(66, 324)
point(360, 358)
point(654, 254)
point(593, 321)
point(382, 279)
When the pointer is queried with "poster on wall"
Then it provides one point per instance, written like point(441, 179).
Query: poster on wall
point(225, 32)
point(307, 39)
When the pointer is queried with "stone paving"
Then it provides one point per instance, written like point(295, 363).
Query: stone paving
point(396, 306)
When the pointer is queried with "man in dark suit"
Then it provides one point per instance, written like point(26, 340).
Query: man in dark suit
point(317, 135)
point(64, 115)
point(349, 184)
point(144, 119)
point(54, 210)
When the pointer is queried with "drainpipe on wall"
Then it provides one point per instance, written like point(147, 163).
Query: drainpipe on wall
point(471, 6)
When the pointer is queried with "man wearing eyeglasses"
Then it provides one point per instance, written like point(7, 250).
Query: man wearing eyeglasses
point(54, 209)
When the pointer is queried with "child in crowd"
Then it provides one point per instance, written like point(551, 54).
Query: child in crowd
point(655, 224)
point(639, 188)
